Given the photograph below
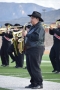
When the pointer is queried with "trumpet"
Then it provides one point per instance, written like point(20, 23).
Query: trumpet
point(47, 27)
point(3, 30)
point(53, 26)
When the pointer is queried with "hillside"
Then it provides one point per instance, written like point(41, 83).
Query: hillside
point(11, 11)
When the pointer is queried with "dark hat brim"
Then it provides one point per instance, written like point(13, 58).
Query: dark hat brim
point(16, 24)
point(40, 19)
point(6, 24)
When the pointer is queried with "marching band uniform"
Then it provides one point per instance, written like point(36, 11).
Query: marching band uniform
point(17, 57)
point(55, 50)
point(4, 48)
point(34, 51)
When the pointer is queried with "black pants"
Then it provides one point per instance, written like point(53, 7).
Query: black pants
point(10, 52)
point(19, 58)
point(33, 61)
point(55, 56)
point(4, 53)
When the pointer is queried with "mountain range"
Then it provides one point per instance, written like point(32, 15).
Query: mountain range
point(9, 11)
point(17, 12)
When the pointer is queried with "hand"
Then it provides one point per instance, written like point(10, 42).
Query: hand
point(51, 27)
point(46, 30)
point(24, 33)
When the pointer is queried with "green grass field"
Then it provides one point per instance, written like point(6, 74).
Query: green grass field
point(46, 68)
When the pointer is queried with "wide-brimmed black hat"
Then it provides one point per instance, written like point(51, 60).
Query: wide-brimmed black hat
point(8, 24)
point(37, 15)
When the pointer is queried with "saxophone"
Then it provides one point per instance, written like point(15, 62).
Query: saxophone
point(21, 44)
point(18, 40)
point(21, 41)
point(16, 36)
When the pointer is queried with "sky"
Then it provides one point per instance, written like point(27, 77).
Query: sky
point(47, 3)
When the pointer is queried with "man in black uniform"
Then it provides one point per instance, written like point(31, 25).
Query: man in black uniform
point(34, 50)
point(18, 58)
point(55, 50)
point(6, 36)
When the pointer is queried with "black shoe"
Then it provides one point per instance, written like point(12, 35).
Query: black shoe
point(17, 67)
point(30, 86)
point(25, 68)
point(2, 65)
point(54, 70)
point(57, 72)
point(38, 87)
point(12, 61)
point(6, 66)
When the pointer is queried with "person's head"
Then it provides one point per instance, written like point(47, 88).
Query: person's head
point(58, 23)
point(16, 26)
point(8, 25)
point(35, 17)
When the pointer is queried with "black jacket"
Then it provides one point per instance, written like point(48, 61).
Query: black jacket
point(9, 36)
point(56, 35)
point(35, 36)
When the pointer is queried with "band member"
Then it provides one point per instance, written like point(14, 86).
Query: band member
point(55, 50)
point(17, 57)
point(34, 50)
point(6, 36)
point(11, 49)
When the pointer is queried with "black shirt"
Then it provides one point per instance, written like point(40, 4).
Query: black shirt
point(56, 35)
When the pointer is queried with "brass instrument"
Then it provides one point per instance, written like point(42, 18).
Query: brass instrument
point(10, 28)
point(18, 40)
point(21, 40)
point(47, 27)
point(5, 29)
point(15, 40)
point(21, 45)
point(2, 30)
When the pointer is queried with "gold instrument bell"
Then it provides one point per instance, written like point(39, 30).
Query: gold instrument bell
point(20, 42)
point(19, 34)
point(6, 28)
point(2, 30)
point(21, 45)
